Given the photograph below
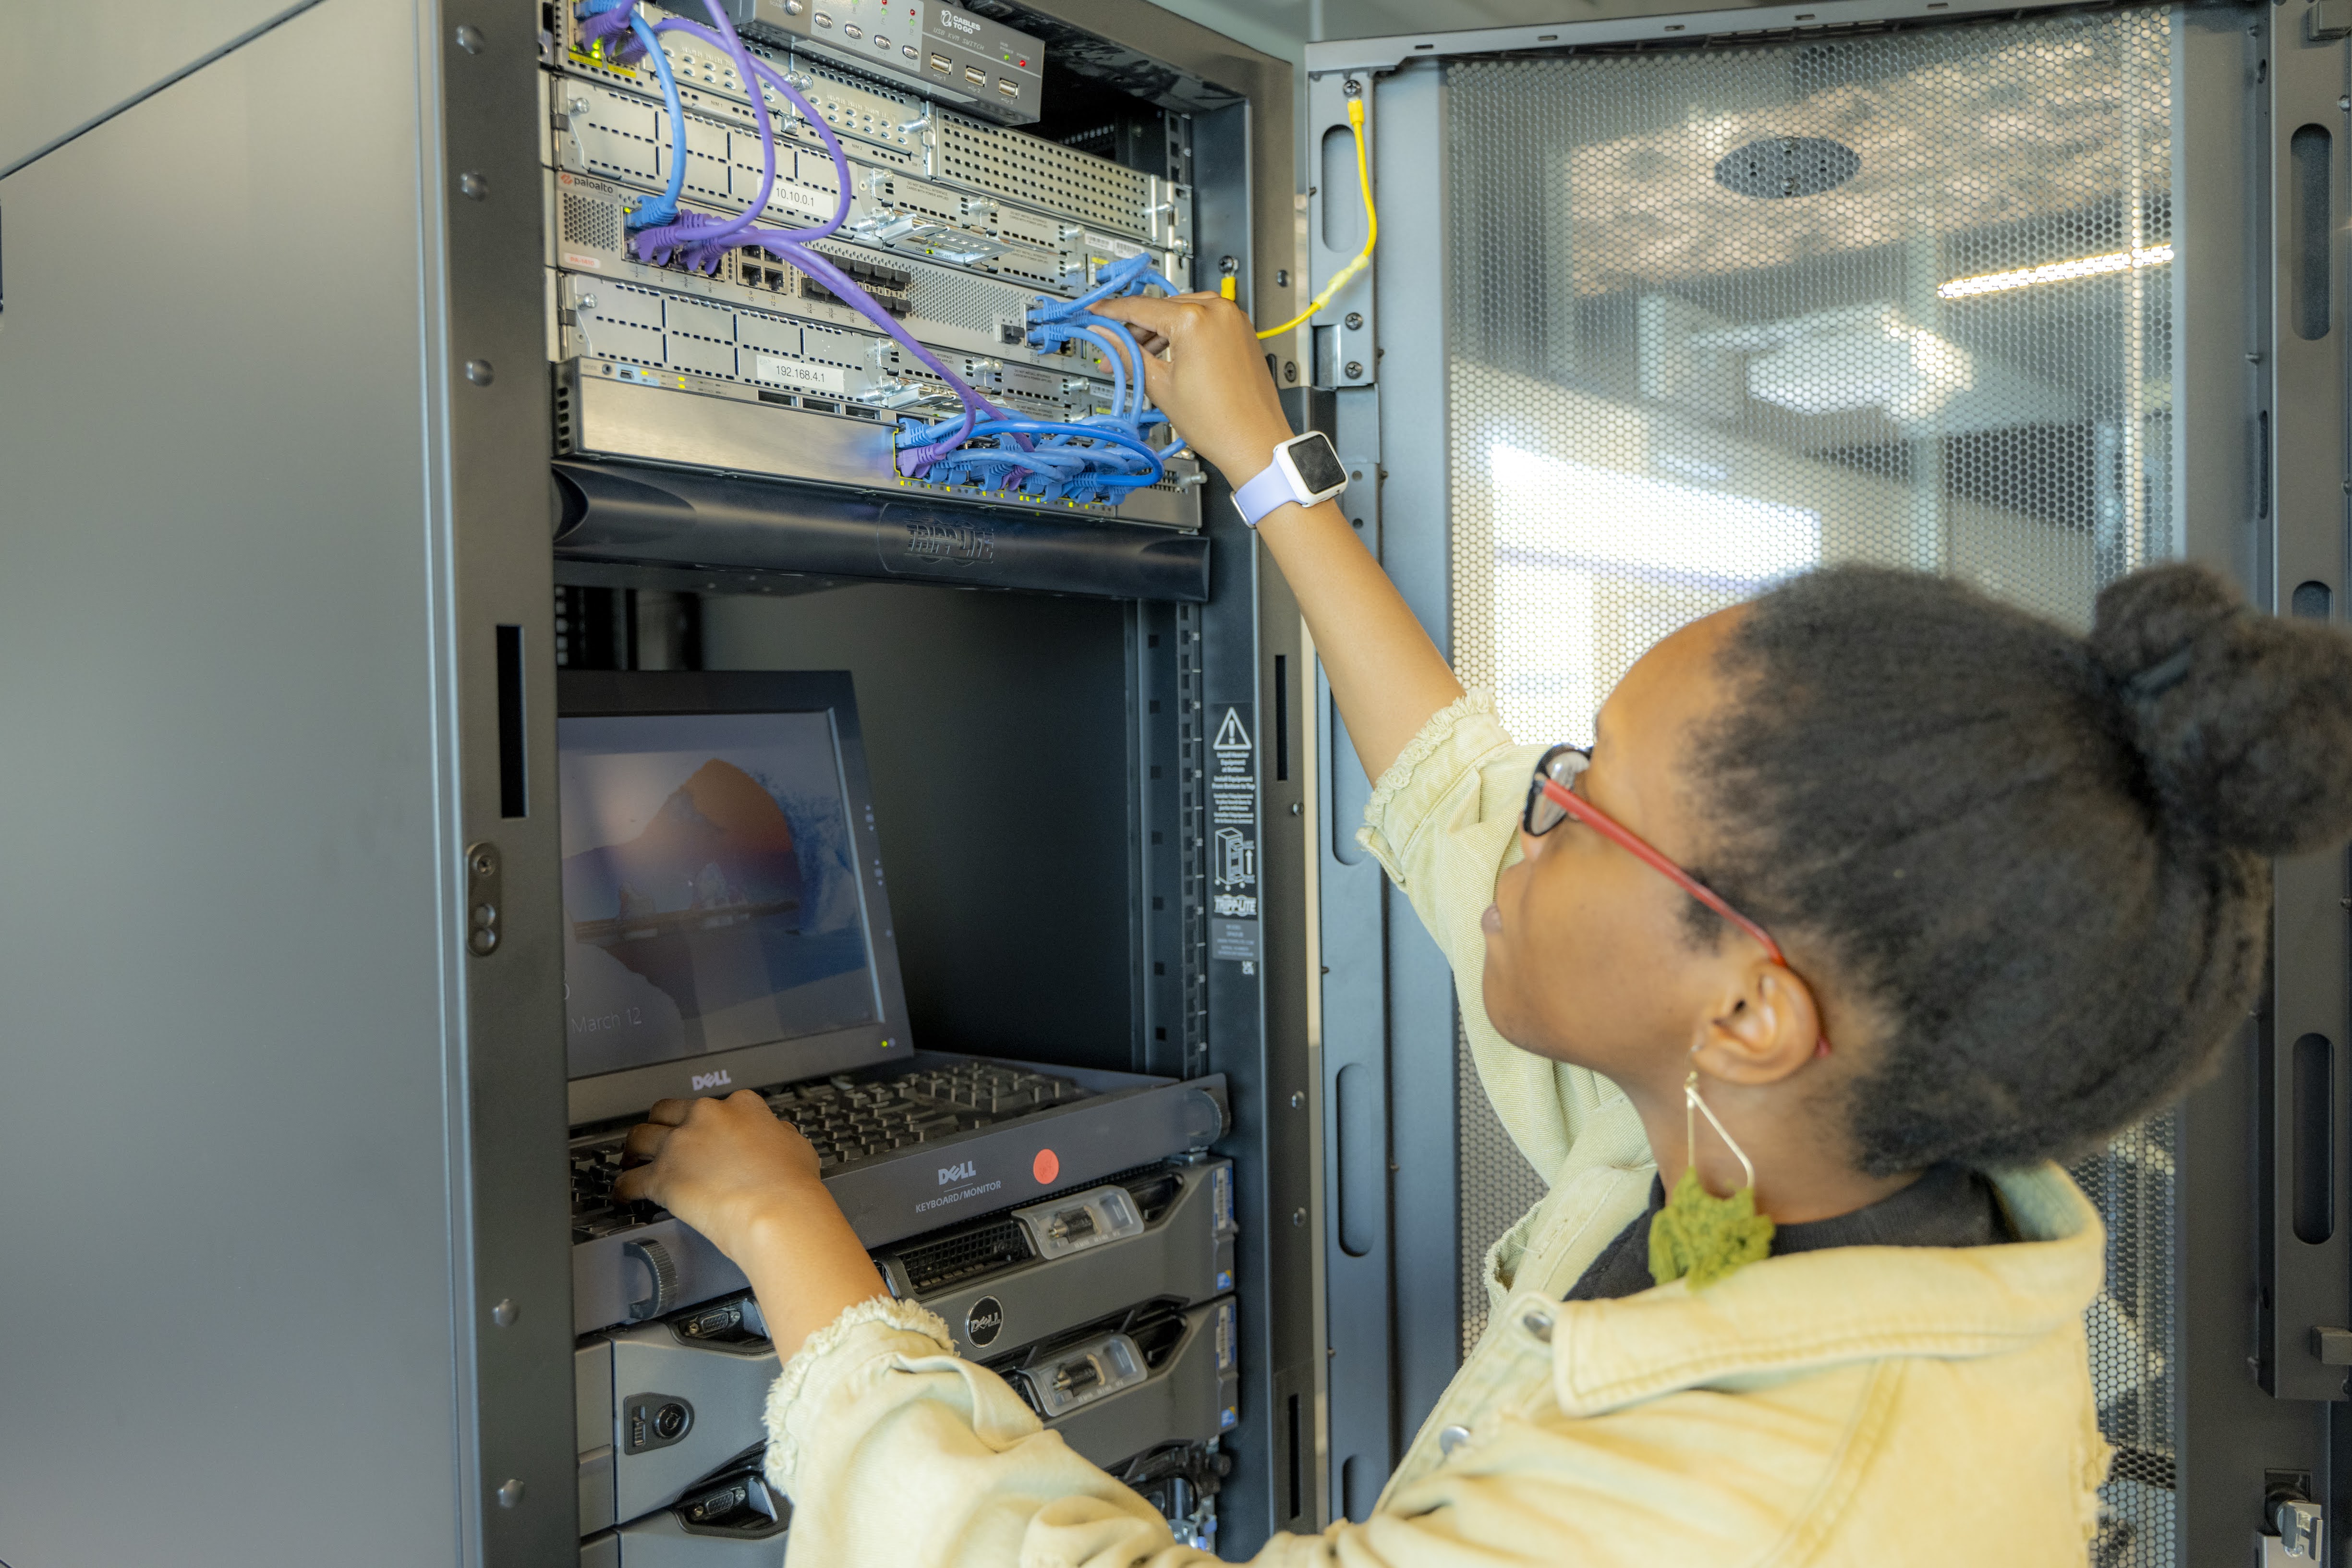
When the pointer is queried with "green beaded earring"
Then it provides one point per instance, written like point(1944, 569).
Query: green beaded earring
point(1698, 1235)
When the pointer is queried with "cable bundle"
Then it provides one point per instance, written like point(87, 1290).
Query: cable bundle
point(1098, 458)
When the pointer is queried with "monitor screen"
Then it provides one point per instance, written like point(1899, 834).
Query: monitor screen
point(711, 897)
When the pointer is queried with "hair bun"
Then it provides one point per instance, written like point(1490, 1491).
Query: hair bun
point(2244, 721)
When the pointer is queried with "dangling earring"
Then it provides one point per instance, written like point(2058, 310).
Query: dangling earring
point(1698, 1235)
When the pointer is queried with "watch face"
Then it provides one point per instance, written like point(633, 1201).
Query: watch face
point(1317, 465)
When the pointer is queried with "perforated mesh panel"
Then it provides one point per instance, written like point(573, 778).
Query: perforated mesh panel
point(960, 300)
point(1505, 1186)
point(1719, 315)
point(1031, 169)
point(2132, 1339)
point(589, 221)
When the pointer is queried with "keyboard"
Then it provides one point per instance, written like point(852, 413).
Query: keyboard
point(847, 1119)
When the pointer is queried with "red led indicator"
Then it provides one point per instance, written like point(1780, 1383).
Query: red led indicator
point(1045, 1167)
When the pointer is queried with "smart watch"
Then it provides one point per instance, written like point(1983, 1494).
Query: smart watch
point(1305, 470)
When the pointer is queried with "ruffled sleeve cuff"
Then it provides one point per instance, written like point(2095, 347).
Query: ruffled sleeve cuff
point(1457, 738)
point(879, 1334)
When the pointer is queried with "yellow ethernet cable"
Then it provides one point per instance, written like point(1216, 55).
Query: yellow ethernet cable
point(1371, 230)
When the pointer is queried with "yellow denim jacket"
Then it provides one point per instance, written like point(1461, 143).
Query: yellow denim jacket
point(1855, 1405)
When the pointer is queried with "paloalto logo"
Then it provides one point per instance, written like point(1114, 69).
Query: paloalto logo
point(719, 1079)
point(963, 1173)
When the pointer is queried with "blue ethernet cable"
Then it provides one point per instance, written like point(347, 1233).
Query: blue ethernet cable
point(664, 208)
point(1097, 457)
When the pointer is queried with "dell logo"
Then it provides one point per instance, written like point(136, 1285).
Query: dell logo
point(719, 1079)
point(984, 1322)
point(963, 1173)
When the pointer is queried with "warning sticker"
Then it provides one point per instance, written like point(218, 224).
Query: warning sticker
point(1233, 837)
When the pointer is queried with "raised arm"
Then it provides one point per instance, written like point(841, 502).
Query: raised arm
point(1214, 387)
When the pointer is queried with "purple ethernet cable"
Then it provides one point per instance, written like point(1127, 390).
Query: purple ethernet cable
point(708, 240)
point(808, 112)
point(690, 231)
point(703, 245)
point(820, 267)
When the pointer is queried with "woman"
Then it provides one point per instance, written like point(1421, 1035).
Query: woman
point(1871, 899)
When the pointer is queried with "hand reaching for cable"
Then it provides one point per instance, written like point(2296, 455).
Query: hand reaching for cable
point(1212, 383)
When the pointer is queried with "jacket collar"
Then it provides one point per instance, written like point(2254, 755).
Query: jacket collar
point(1813, 1309)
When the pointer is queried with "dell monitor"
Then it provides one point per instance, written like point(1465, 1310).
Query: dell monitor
point(724, 919)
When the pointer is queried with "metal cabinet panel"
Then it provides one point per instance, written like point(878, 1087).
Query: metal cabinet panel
point(71, 65)
point(228, 977)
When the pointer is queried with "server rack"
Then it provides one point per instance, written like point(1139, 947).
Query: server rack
point(2213, 1349)
point(280, 520)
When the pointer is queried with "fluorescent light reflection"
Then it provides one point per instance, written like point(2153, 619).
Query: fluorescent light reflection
point(2055, 272)
point(1593, 565)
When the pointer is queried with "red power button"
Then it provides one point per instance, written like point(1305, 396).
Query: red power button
point(1045, 1167)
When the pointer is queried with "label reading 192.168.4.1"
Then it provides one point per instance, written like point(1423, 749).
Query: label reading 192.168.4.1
point(800, 373)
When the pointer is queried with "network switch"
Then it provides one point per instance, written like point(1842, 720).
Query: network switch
point(945, 308)
point(910, 250)
point(771, 343)
point(602, 132)
point(896, 130)
point(764, 336)
point(662, 1404)
point(991, 68)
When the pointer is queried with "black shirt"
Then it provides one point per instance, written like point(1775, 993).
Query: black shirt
point(1949, 1206)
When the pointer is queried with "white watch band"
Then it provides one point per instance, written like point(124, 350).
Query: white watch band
point(1263, 494)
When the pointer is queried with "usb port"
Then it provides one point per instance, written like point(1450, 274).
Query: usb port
point(1007, 88)
point(941, 63)
point(975, 75)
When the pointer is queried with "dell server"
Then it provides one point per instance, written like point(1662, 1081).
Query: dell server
point(1086, 1302)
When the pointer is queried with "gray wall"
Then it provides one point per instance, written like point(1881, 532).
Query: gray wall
point(221, 1045)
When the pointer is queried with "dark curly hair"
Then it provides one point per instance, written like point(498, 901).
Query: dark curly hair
point(2039, 860)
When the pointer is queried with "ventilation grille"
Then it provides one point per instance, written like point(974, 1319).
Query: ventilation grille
point(590, 222)
point(1045, 174)
point(1718, 316)
point(956, 299)
point(943, 1262)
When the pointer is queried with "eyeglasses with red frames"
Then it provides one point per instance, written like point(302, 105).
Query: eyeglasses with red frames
point(1552, 800)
